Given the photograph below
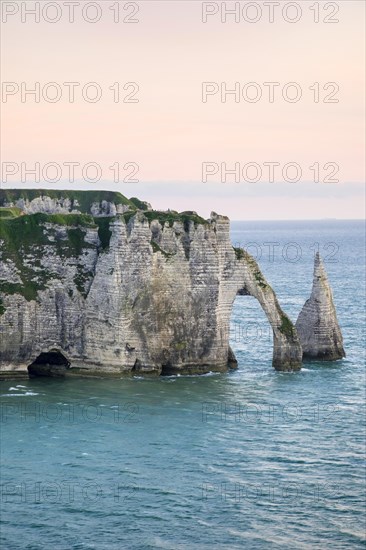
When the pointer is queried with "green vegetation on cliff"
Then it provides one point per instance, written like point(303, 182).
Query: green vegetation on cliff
point(29, 229)
point(80, 200)
point(11, 212)
point(141, 205)
point(83, 200)
point(171, 217)
point(104, 233)
point(168, 217)
point(128, 215)
point(31, 243)
point(70, 220)
point(253, 267)
point(239, 253)
point(24, 242)
point(286, 327)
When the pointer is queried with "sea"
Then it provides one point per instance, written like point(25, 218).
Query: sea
point(251, 459)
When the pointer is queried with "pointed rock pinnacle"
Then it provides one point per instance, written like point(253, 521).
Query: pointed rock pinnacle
point(317, 324)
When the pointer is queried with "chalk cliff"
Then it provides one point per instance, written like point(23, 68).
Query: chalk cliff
point(317, 324)
point(134, 291)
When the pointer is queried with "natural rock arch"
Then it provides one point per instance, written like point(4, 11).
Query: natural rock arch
point(287, 351)
point(160, 297)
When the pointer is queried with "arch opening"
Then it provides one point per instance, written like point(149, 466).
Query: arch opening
point(287, 351)
point(251, 333)
point(51, 364)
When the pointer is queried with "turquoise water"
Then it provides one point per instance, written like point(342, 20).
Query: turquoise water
point(252, 459)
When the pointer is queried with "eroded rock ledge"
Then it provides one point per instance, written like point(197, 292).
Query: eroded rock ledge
point(140, 292)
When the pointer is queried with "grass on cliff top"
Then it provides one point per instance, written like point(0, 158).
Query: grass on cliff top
point(28, 232)
point(141, 205)
point(11, 212)
point(84, 198)
point(28, 229)
point(171, 217)
point(84, 201)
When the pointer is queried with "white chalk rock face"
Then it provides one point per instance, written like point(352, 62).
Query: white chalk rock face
point(149, 293)
point(317, 325)
point(46, 205)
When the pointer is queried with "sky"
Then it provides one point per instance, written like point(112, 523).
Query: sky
point(150, 116)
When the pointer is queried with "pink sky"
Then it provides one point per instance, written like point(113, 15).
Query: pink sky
point(170, 132)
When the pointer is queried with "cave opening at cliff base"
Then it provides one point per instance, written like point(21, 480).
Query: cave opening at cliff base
point(52, 363)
